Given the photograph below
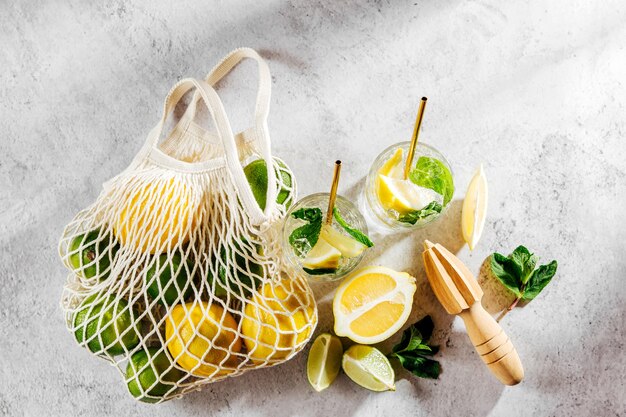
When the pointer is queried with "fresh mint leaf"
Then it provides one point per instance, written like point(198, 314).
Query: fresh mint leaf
point(412, 217)
point(433, 174)
point(539, 279)
point(320, 271)
point(305, 237)
point(355, 233)
point(412, 352)
point(519, 273)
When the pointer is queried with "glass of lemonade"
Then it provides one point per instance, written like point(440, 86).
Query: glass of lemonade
point(324, 251)
point(411, 203)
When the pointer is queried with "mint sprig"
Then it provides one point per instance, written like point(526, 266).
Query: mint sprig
point(413, 352)
point(305, 237)
point(519, 273)
point(412, 217)
point(355, 233)
point(433, 174)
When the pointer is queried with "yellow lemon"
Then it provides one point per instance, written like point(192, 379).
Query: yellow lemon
point(475, 208)
point(393, 166)
point(404, 196)
point(276, 322)
point(201, 338)
point(372, 304)
point(156, 216)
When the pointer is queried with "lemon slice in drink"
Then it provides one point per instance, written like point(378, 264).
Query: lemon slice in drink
point(324, 361)
point(474, 209)
point(322, 256)
point(404, 196)
point(372, 304)
point(369, 368)
point(348, 246)
point(393, 166)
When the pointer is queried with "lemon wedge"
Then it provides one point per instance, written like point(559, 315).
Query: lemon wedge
point(372, 304)
point(324, 361)
point(404, 196)
point(348, 246)
point(369, 368)
point(322, 256)
point(393, 166)
point(474, 209)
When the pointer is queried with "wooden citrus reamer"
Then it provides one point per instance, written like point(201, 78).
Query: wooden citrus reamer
point(459, 293)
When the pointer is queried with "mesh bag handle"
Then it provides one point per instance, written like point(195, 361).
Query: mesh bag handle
point(259, 133)
point(225, 133)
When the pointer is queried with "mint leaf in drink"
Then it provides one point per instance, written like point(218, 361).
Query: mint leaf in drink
point(519, 273)
point(412, 217)
point(413, 350)
point(305, 237)
point(319, 271)
point(355, 233)
point(433, 174)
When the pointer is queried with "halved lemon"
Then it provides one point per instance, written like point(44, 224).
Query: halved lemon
point(348, 246)
point(372, 304)
point(474, 208)
point(404, 196)
point(393, 166)
point(322, 256)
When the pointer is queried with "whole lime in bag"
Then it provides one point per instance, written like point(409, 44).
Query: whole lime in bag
point(256, 173)
point(150, 374)
point(91, 254)
point(106, 324)
point(168, 278)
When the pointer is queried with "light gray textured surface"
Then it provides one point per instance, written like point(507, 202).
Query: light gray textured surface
point(534, 90)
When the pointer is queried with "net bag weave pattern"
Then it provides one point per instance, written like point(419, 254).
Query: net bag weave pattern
point(176, 275)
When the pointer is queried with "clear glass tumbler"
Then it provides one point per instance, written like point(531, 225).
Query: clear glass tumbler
point(349, 212)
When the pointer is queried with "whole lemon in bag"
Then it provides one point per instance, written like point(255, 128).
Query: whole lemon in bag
point(275, 321)
point(200, 337)
point(156, 216)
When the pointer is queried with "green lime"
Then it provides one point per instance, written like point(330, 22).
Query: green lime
point(107, 320)
point(150, 374)
point(171, 280)
point(324, 361)
point(247, 271)
point(369, 368)
point(256, 173)
point(91, 255)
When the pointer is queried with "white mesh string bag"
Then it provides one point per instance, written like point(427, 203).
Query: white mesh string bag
point(176, 270)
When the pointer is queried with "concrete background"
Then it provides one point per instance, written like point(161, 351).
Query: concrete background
point(534, 90)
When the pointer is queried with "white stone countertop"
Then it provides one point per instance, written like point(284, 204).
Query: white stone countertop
point(534, 90)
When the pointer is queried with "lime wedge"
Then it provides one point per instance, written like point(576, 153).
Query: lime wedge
point(369, 368)
point(324, 361)
point(474, 209)
point(322, 256)
point(348, 246)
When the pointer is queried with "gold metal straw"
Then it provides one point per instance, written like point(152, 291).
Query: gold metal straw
point(416, 132)
point(333, 193)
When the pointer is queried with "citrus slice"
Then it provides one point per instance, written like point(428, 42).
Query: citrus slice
point(369, 368)
point(404, 196)
point(393, 166)
point(324, 361)
point(372, 304)
point(348, 246)
point(322, 256)
point(474, 209)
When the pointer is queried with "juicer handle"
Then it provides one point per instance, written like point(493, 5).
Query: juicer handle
point(493, 345)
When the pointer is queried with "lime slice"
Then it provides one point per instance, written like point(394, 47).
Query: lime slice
point(324, 361)
point(404, 196)
point(322, 256)
point(474, 209)
point(348, 246)
point(369, 368)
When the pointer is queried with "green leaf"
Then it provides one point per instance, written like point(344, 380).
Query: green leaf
point(525, 261)
point(412, 217)
point(507, 272)
point(305, 237)
point(412, 352)
point(356, 234)
point(433, 174)
point(539, 279)
point(319, 271)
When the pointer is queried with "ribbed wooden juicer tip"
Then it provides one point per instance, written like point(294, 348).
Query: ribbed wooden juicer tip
point(458, 291)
